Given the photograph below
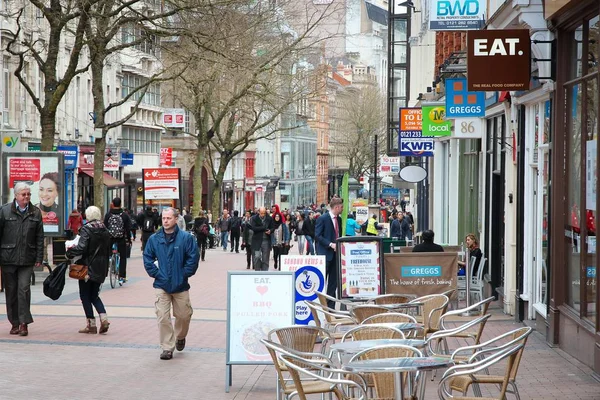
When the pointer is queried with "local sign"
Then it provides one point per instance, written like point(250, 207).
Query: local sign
point(161, 183)
point(454, 15)
point(460, 103)
point(434, 121)
point(498, 60)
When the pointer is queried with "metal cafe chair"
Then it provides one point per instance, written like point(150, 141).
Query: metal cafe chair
point(373, 332)
point(390, 299)
point(362, 312)
point(434, 306)
point(389, 317)
point(332, 320)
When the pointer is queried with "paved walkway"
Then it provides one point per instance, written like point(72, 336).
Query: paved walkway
point(124, 363)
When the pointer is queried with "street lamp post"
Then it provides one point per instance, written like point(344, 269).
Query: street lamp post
point(375, 152)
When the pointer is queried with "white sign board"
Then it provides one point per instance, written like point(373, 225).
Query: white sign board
point(389, 166)
point(161, 183)
point(591, 177)
point(362, 215)
point(257, 302)
point(360, 268)
point(310, 278)
point(455, 15)
point(469, 128)
point(174, 118)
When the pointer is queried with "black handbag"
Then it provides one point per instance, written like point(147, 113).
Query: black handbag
point(55, 281)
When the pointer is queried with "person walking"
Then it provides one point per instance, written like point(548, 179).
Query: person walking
point(247, 238)
point(235, 229)
point(406, 233)
point(300, 233)
point(396, 227)
point(262, 227)
point(223, 228)
point(327, 231)
point(202, 231)
point(352, 227)
point(372, 226)
point(281, 239)
point(180, 221)
point(75, 222)
point(308, 228)
point(119, 225)
point(171, 257)
point(22, 243)
point(149, 223)
point(94, 247)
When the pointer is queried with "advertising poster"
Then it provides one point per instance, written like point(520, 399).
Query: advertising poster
point(309, 275)
point(410, 122)
point(389, 166)
point(258, 302)
point(457, 15)
point(591, 175)
point(161, 183)
point(44, 172)
point(362, 215)
point(361, 268)
point(420, 274)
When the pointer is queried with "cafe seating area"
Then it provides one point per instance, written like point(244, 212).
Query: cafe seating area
point(393, 347)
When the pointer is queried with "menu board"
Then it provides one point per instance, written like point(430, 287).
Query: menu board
point(257, 302)
point(309, 279)
point(360, 263)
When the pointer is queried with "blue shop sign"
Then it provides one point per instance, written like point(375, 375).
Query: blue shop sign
point(461, 103)
point(126, 159)
point(422, 271)
point(70, 155)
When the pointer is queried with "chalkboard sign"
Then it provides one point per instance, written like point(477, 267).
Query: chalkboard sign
point(257, 302)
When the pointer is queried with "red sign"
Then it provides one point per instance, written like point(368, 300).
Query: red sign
point(166, 157)
point(24, 170)
point(179, 119)
point(167, 118)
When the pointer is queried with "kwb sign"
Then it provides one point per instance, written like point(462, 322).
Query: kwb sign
point(417, 147)
point(498, 60)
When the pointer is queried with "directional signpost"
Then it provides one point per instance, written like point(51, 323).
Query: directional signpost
point(161, 184)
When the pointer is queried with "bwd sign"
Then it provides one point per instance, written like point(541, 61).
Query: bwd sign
point(498, 60)
point(454, 15)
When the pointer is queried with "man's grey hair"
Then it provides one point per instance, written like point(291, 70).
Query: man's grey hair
point(173, 210)
point(20, 186)
point(93, 213)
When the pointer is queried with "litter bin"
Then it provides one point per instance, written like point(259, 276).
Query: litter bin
point(389, 243)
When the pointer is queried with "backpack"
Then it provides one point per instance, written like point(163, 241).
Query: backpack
point(204, 230)
point(55, 281)
point(116, 228)
point(148, 224)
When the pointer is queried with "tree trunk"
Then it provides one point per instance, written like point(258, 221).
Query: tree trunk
point(216, 189)
point(99, 173)
point(198, 167)
point(48, 124)
point(97, 66)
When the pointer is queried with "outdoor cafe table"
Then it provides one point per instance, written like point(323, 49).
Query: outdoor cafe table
point(397, 366)
point(403, 326)
point(356, 346)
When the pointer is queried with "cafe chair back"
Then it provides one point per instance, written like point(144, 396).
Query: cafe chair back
point(324, 297)
point(360, 313)
point(473, 327)
point(389, 317)
point(333, 319)
point(391, 299)
point(477, 282)
point(461, 377)
point(285, 386)
point(304, 374)
point(372, 332)
point(434, 306)
point(302, 338)
point(384, 382)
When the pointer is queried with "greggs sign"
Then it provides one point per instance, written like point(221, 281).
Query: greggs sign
point(498, 60)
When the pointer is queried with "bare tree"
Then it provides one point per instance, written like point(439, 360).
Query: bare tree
point(246, 76)
point(42, 42)
point(361, 116)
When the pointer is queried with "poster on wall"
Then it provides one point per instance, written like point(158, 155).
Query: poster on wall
point(591, 174)
point(44, 172)
point(420, 274)
point(309, 274)
point(257, 302)
point(362, 215)
point(360, 267)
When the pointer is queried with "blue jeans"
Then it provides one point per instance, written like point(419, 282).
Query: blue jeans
point(311, 247)
point(224, 236)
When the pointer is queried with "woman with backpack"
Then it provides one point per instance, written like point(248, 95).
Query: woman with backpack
point(202, 231)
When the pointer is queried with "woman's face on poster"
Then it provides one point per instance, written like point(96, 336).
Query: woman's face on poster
point(48, 192)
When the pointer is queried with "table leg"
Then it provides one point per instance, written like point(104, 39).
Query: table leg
point(398, 385)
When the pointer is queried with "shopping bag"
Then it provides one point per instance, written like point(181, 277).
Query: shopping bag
point(55, 281)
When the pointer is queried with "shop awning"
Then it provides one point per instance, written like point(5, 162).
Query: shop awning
point(109, 181)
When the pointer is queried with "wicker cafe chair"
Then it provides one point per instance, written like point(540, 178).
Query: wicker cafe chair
point(324, 298)
point(474, 327)
point(460, 377)
point(434, 306)
point(283, 385)
point(384, 382)
point(302, 337)
point(373, 332)
point(517, 337)
point(333, 321)
point(325, 375)
point(389, 317)
point(391, 299)
point(482, 306)
point(360, 313)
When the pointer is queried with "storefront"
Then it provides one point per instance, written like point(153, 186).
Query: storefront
point(572, 313)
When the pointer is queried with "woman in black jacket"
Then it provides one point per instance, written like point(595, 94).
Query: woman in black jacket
point(94, 248)
point(201, 230)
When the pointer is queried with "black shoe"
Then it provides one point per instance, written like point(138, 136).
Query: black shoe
point(248, 267)
point(180, 344)
point(166, 355)
point(237, 251)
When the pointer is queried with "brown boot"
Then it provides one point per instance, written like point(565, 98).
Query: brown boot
point(104, 324)
point(90, 327)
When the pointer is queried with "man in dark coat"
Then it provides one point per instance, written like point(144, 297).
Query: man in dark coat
point(262, 227)
point(428, 246)
point(22, 243)
point(327, 230)
point(148, 223)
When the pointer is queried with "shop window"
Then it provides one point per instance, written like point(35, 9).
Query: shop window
point(594, 45)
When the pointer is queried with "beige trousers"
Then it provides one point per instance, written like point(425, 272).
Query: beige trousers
point(182, 311)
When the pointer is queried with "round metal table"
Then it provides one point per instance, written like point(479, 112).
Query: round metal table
point(356, 346)
point(397, 366)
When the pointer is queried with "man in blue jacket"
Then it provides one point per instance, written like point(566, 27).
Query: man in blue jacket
point(176, 252)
